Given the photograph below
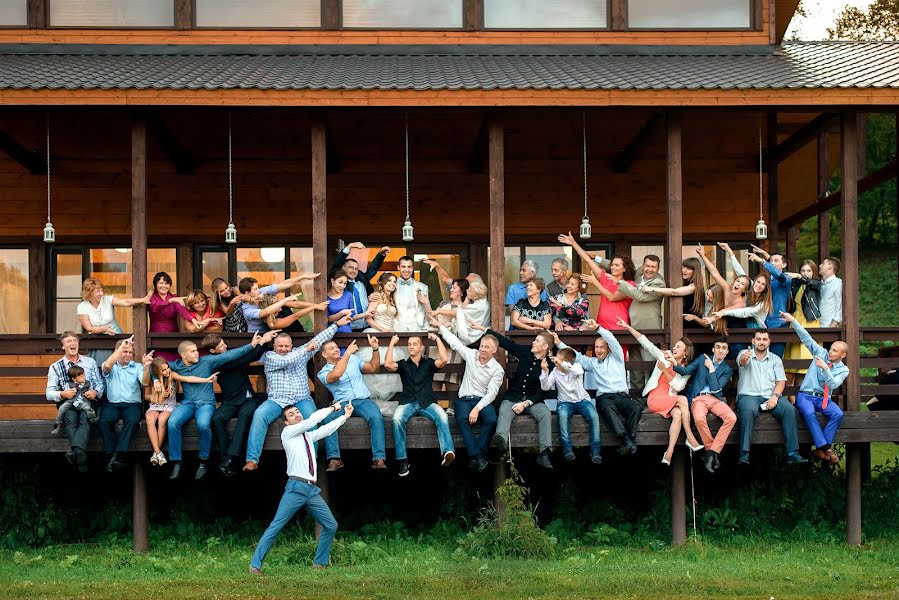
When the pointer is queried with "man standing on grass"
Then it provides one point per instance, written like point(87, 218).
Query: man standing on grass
point(298, 437)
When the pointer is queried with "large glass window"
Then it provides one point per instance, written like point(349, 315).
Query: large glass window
point(69, 277)
point(540, 14)
point(112, 13)
point(258, 13)
point(402, 13)
point(266, 265)
point(689, 14)
point(214, 264)
point(14, 288)
point(13, 12)
point(301, 262)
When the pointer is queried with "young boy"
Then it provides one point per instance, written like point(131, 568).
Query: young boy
point(568, 379)
point(77, 381)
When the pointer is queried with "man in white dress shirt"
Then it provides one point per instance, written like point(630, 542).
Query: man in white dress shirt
point(411, 298)
point(831, 293)
point(301, 490)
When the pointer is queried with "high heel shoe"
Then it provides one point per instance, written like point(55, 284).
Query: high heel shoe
point(694, 448)
point(665, 460)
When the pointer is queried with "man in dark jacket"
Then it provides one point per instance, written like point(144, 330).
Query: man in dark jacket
point(359, 284)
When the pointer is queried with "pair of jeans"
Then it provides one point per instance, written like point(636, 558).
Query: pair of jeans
point(363, 408)
point(110, 413)
point(78, 428)
point(586, 409)
point(748, 407)
point(808, 405)
point(268, 412)
point(700, 408)
point(232, 445)
point(432, 411)
point(183, 413)
point(541, 414)
point(621, 412)
point(298, 494)
point(475, 445)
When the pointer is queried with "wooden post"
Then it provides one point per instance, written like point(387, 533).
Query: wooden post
point(792, 240)
point(37, 290)
point(497, 225)
point(678, 497)
point(849, 273)
point(675, 225)
point(773, 208)
point(184, 267)
point(897, 195)
point(823, 181)
point(139, 508)
point(37, 14)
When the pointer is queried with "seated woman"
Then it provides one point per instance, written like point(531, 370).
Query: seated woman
point(97, 315)
point(806, 295)
point(692, 290)
point(340, 302)
point(446, 316)
point(228, 301)
point(283, 314)
point(571, 308)
point(531, 313)
point(663, 389)
point(203, 319)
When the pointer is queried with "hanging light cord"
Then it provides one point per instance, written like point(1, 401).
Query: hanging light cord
point(584, 133)
point(406, 123)
point(48, 166)
point(760, 173)
point(230, 183)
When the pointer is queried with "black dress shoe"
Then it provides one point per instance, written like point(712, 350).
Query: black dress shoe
point(176, 471)
point(404, 468)
point(717, 461)
point(482, 463)
point(543, 460)
point(225, 467)
point(80, 460)
point(70, 457)
point(708, 460)
point(201, 471)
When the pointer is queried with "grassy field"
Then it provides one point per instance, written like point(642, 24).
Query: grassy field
point(410, 570)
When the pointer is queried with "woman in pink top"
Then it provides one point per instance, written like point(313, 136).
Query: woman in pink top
point(164, 312)
point(613, 305)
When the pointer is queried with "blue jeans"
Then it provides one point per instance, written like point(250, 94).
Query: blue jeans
point(110, 413)
point(586, 409)
point(487, 417)
point(298, 494)
point(364, 409)
point(404, 412)
point(183, 413)
point(267, 413)
point(808, 405)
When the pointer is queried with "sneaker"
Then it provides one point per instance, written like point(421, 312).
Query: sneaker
point(256, 572)
point(57, 430)
point(543, 460)
point(334, 464)
point(117, 464)
point(482, 463)
point(176, 471)
point(794, 458)
point(70, 457)
point(161, 459)
point(225, 467)
point(201, 471)
point(404, 467)
point(474, 464)
point(569, 455)
point(154, 459)
point(378, 464)
point(596, 458)
point(448, 457)
point(744, 459)
point(80, 460)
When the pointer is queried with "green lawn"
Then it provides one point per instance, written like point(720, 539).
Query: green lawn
point(406, 569)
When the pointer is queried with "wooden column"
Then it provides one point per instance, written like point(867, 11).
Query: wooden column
point(37, 289)
point(849, 273)
point(497, 225)
point(773, 209)
point(897, 193)
point(184, 267)
point(792, 240)
point(823, 181)
point(184, 14)
point(678, 496)
point(139, 288)
point(37, 14)
point(320, 226)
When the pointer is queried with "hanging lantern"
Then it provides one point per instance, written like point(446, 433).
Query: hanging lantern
point(231, 230)
point(586, 229)
point(407, 226)
point(49, 231)
point(761, 229)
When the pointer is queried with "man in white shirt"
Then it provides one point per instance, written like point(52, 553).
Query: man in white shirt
point(301, 490)
point(831, 293)
point(411, 298)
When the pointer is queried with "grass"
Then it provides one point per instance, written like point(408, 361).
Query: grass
point(408, 569)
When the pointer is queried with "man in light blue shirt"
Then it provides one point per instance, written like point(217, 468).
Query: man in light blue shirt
point(831, 293)
point(124, 379)
point(517, 291)
point(826, 373)
point(342, 375)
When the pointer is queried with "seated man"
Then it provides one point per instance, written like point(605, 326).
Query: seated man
point(124, 379)
point(708, 376)
point(481, 383)
point(568, 379)
point(761, 384)
point(287, 385)
point(199, 399)
point(417, 397)
point(525, 394)
point(342, 375)
point(826, 373)
point(621, 412)
point(59, 390)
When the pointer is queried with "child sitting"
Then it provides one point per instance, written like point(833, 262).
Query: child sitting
point(78, 382)
point(568, 379)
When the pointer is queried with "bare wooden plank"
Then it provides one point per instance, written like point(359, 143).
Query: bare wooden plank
point(674, 254)
point(37, 297)
point(497, 223)
point(139, 228)
point(37, 14)
point(849, 272)
point(823, 183)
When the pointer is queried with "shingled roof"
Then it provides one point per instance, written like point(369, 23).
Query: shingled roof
point(809, 65)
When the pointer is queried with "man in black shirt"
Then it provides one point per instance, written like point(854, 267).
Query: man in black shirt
point(417, 397)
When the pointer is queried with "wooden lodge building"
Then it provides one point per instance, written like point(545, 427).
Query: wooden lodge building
point(684, 120)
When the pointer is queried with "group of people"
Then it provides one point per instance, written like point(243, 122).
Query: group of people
point(679, 387)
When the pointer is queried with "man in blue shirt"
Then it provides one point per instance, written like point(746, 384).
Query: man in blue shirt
point(781, 288)
point(359, 283)
point(826, 373)
point(124, 379)
point(517, 291)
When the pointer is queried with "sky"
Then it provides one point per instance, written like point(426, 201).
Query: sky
point(822, 14)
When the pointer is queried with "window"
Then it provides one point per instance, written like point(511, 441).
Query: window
point(540, 14)
point(12, 13)
point(14, 284)
point(258, 13)
point(112, 13)
point(542, 256)
point(639, 252)
point(213, 264)
point(301, 262)
point(69, 277)
point(266, 265)
point(402, 13)
point(689, 14)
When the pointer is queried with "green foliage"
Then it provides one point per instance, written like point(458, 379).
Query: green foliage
point(879, 22)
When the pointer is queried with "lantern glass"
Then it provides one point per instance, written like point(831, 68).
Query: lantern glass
point(761, 230)
point(408, 232)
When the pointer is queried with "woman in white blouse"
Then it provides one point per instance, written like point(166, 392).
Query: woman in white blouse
point(96, 313)
point(475, 309)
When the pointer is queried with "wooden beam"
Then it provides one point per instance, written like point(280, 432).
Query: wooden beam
point(37, 289)
point(823, 183)
point(320, 260)
point(37, 14)
point(472, 15)
point(33, 161)
point(184, 267)
point(497, 224)
point(792, 242)
point(185, 11)
point(854, 493)
point(773, 184)
point(772, 22)
point(184, 161)
point(618, 16)
point(479, 150)
point(675, 204)
point(777, 153)
point(678, 497)
point(627, 155)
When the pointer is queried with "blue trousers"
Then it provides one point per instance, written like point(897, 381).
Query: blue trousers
point(364, 409)
point(404, 412)
point(298, 494)
point(267, 413)
point(183, 413)
point(487, 418)
point(110, 413)
point(748, 412)
point(808, 405)
point(586, 409)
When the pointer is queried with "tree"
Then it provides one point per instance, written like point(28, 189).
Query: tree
point(879, 22)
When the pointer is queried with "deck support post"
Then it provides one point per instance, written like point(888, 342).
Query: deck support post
point(139, 508)
point(823, 182)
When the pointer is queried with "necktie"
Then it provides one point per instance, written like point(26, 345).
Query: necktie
point(826, 399)
point(309, 456)
point(357, 302)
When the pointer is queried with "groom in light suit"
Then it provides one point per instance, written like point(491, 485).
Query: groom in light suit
point(411, 297)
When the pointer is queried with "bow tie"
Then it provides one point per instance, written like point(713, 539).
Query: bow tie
point(406, 281)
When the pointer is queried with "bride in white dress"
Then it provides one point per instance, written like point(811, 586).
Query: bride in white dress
point(382, 306)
